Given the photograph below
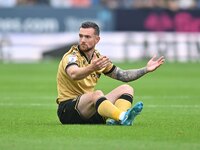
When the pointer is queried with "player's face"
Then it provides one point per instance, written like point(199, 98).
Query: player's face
point(87, 39)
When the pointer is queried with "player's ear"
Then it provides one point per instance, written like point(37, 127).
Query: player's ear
point(97, 39)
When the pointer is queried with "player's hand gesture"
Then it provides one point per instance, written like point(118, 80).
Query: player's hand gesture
point(154, 63)
point(99, 63)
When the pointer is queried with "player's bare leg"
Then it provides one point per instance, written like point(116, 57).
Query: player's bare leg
point(87, 101)
point(117, 92)
point(93, 102)
point(86, 105)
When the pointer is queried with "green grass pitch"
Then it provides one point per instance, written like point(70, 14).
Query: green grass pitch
point(170, 118)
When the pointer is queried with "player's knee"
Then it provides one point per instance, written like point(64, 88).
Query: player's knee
point(127, 89)
point(98, 93)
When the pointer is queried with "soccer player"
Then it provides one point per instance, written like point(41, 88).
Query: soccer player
point(78, 73)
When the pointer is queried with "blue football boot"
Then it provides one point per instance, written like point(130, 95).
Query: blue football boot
point(131, 114)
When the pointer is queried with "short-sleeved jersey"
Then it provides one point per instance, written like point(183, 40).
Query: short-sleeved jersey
point(68, 88)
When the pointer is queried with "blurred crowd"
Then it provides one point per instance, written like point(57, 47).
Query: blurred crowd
point(111, 4)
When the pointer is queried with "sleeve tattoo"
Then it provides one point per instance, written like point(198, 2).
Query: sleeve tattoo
point(127, 75)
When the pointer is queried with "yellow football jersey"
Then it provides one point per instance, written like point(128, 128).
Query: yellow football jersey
point(68, 88)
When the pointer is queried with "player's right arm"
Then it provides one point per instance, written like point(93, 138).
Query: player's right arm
point(78, 73)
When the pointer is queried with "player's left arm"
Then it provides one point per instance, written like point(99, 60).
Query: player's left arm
point(134, 74)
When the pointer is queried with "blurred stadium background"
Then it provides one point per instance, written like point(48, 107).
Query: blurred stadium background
point(31, 30)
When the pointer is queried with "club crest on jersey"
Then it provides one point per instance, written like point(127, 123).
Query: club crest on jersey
point(72, 59)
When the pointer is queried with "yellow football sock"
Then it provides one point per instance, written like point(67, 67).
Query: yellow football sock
point(106, 109)
point(124, 102)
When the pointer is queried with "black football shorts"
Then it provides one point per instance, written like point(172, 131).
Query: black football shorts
point(68, 114)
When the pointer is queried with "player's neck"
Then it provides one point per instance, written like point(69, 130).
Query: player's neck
point(89, 54)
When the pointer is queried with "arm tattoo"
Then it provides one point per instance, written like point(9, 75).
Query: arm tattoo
point(127, 75)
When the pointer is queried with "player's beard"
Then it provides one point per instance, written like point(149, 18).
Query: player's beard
point(85, 48)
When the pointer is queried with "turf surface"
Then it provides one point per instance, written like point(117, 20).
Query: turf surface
point(170, 118)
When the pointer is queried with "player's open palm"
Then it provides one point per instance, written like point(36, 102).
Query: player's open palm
point(101, 62)
point(154, 63)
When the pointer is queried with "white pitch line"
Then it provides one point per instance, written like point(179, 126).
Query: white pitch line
point(27, 104)
point(28, 97)
point(172, 106)
point(166, 97)
point(137, 96)
point(55, 105)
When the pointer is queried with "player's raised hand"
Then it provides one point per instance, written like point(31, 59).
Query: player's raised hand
point(99, 63)
point(154, 63)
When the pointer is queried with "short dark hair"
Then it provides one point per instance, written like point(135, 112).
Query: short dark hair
point(89, 24)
